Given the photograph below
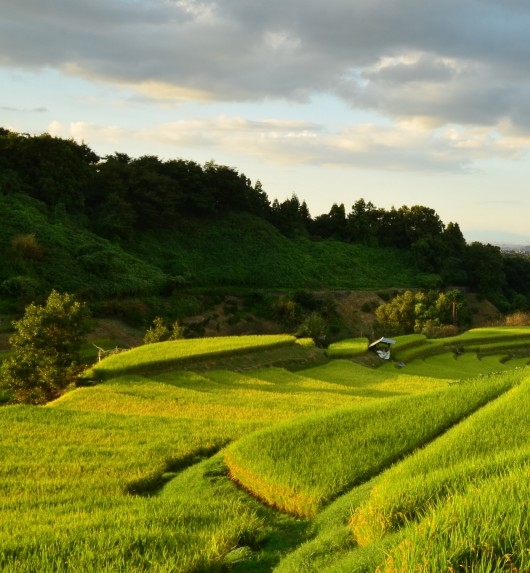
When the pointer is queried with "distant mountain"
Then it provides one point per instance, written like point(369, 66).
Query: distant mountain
point(500, 238)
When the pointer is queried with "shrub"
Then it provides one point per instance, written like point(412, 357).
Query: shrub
point(19, 287)
point(27, 246)
point(314, 326)
point(286, 310)
point(159, 332)
point(518, 319)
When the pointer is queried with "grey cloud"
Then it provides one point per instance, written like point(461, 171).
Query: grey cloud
point(240, 50)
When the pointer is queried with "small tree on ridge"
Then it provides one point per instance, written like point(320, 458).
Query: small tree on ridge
point(46, 349)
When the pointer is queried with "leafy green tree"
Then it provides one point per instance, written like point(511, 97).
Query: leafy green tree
point(399, 315)
point(454, 267)
point(54, 170)
point(332, 224)
point(46, 349)
point(485, 266)
point(422, 312)
point(451, 308)
point(291, 217)
point(364, 222)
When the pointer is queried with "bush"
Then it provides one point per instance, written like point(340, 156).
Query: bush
point(518, 319)
point(20, 287)
point(159, 332)
point(314, 326)
point(27, 246)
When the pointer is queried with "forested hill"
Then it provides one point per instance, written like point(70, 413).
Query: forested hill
point(118, 225)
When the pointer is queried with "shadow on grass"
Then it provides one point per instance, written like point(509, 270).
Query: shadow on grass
point(284, 535)
point(151, 485)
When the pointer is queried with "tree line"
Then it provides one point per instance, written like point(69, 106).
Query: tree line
point(117, 197)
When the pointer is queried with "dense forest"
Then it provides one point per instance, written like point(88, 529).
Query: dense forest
point(116, 225)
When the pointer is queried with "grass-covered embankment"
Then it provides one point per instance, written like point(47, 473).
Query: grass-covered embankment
point(491, 340)
point(462, 497)
point(300, 466)
point(68, 480)
point(175, 353)
point(378, 519)
point(347, 348)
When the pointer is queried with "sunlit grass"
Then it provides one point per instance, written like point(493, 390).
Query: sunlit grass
point(347, 348)
point(109, 477)
point(483, 445)
point(491, 340)
point(485, 530)
point(300, 466)
point(377, 382)
point(173, 353)
point(68, 483)
point(458, 367)
point(75, 503)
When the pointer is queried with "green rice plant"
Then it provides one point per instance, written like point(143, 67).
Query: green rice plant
point(456, 367)
point(180, 395)
point(75, 492)
point(408, 341)
point(331, 544)
point(427, 348)
point(483, 445)
point(300, 466)
point(190, 526)
point(382, 382)
point(484, 529)
point(175, 353)
point(492, 339)
point(492, 334)
point(347, 348)
point(499, 346)
point(79, 477)
point(252, 398)
point(514, 363)
point(110, 478)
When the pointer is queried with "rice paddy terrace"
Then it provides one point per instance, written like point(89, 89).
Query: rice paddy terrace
point(261, 454)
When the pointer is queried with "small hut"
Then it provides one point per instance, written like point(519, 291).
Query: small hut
point(382, 347)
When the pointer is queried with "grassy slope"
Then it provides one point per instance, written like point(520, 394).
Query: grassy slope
point(98, 445)
point(176, 353)
point(73, 258)
point(215, 254)
point(205, 254)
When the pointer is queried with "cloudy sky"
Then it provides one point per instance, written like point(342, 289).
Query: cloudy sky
point(398, 102)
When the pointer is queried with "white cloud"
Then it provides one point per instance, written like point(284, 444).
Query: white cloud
point(407, 145)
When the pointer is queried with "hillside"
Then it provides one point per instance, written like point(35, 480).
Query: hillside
point(178, 463)
point(45, 250)
point(115, 227)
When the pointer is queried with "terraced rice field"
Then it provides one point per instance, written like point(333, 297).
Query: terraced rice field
point(338, 467)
